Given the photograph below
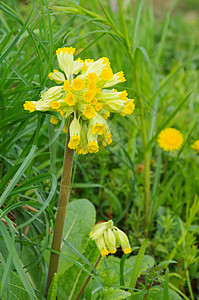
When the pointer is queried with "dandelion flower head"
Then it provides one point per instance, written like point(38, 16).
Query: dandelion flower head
point(170, 139)
point(195, 146)
point(83, 93)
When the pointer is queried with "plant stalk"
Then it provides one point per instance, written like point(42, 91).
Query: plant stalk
point(61, 211)
point(88, 279)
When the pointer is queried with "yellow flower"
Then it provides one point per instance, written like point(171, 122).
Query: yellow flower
point(98, 106)
point(170, 139)
point(108, 238)
point(54, 120)
point(66, 85)
point(78, 84)
point(107, 74)
point(92, 85)
point(89, 95)
point(55, 105)
point(93, 147)
point(28, 105)
point(129, 107)
point(92, 77)
point(195, 146)
point(89, 111)
point(70, 99)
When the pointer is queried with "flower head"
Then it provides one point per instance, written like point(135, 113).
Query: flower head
point(170, 139)
point(108, 238)
point(195, 146)
point(82, 94)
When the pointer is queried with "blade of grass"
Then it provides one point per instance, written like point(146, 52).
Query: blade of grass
point(17, 262)
point(18, 174)
point(135, 273)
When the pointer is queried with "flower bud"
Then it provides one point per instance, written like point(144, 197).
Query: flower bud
point(108, 237)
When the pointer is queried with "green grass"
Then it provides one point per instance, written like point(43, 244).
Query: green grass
point(159, 56)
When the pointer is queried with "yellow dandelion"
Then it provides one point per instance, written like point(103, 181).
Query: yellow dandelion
point(195, 146)
point(170, 139)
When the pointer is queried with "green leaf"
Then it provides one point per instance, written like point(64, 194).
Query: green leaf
point(111, 294)
point(79, 221)
point(113, 264)
point(156, 293)
point(18, 264)
point(52, 293)
point(15, 285)
point(18, 174)
point(71, 281)
point(138, 263)
point(165, 294)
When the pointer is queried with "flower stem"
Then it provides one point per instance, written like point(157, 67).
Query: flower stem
point(61, 211)
point(88, 279)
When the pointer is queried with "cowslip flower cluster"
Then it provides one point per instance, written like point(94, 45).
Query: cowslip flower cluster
point(170, 139)
point(108, 238)
point(83, 94)
point(195, 146)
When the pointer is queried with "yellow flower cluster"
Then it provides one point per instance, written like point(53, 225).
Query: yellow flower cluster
point(83, 94)
point(108, 238)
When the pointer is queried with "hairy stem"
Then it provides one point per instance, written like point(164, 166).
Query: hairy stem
point(61, 211)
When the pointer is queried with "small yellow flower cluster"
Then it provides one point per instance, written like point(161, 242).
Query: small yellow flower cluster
point(170, 139)
point(83, 94)
point(108, 238)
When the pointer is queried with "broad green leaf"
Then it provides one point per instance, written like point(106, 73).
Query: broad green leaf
point(113, 264)
point(71, 280)
point(79, 221)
